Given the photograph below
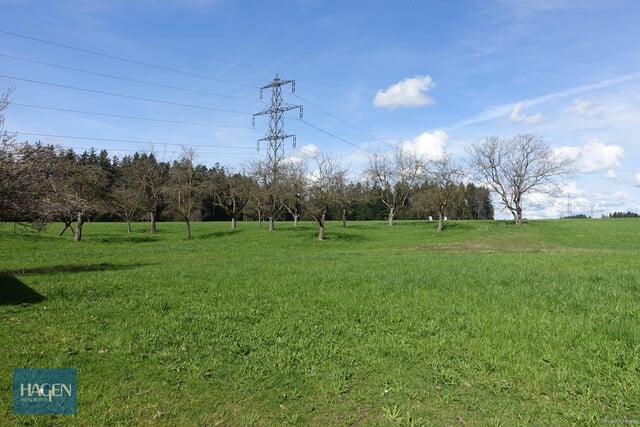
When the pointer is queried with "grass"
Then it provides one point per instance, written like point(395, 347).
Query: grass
point(484, 324)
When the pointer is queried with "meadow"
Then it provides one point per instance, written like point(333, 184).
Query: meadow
point(486, 323)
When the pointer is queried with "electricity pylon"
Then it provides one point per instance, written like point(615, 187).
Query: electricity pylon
point(276, 135)
point(273, 171)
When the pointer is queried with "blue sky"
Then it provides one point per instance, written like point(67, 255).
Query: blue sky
point(370, 74)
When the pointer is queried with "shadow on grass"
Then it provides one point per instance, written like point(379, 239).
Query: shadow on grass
point(72, 268)
point(14, 292)
point(344, 236)
point(215, 234)
point(126, 238)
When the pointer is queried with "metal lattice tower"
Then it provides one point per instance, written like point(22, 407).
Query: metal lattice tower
point(276, 110)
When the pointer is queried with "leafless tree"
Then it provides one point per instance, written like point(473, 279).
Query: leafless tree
point(294, 181)
point(126, 199)
point(394, 175)
point(151, 177)
point(269, 175)
point(5, 100)
point(185, 188)
point(325, 183)
point(345, 197)
point(444, 174)
point(27, 173)
point(232, 193)
point(78, 189)
point(517, 166)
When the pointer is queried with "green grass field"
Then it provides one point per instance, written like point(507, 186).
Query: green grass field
point(484, 324)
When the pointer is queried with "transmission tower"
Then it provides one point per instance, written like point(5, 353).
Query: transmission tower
point(276, 135)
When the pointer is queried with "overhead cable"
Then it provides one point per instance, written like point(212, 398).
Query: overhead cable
point(131, 61)
point(122, 116)
point(139, 98)
point(111, 76)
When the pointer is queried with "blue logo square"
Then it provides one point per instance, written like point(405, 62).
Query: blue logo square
point(45, 391)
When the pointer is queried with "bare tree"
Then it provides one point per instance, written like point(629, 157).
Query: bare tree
point(345, 197)
point(325, 183)
point(185, 188)
point(151, 177)
point(27, 173)
point(517, 166)
point(444, 174)
point(126, 199)
point(232, 193)
point(5, 100)
point(256, 195)
point(269, 176)
point(292, 188)
point(79, 188)
point(394, 175)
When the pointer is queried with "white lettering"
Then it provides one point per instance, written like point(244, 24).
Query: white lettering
point(67, 389)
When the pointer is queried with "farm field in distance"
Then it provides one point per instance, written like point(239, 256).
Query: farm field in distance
point(486, 323)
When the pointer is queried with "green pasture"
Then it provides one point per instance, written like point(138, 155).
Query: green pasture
point(486, 323)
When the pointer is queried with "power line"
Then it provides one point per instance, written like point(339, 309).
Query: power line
point(333, 135)
point(111, 76)
point(131, 61)
point(134, 141)
point(333, 116)
point(122, 116)
point(139, 98)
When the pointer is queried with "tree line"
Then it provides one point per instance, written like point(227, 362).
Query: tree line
point(43, 183)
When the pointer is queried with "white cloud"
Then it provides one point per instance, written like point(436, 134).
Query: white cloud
point(429, 145)
point(517, 116)
point(410, 92)
point(581, 107)
point(309, 151)
point(500, 111)
point(637, 179)
point(610, 174)
point(598, 156)
point(304, 153)
point(594, 156)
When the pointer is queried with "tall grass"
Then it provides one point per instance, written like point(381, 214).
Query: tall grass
point(485, 324)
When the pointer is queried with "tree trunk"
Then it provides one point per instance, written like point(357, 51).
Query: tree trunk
point(295, 219)
point(272, 221)
point(517, 215)
point(153, 222)
point(344, 218)
point(440, 220)
point(129, 226)
point(188, 224)
point(78, 234)
point(234, 223)
point(392, 213)
point(321, 221)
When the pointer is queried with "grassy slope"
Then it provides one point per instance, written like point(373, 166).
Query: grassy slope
point(487, 322)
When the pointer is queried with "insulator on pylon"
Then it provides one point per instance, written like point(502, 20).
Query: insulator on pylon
point(301, 111)
point(294, 141)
